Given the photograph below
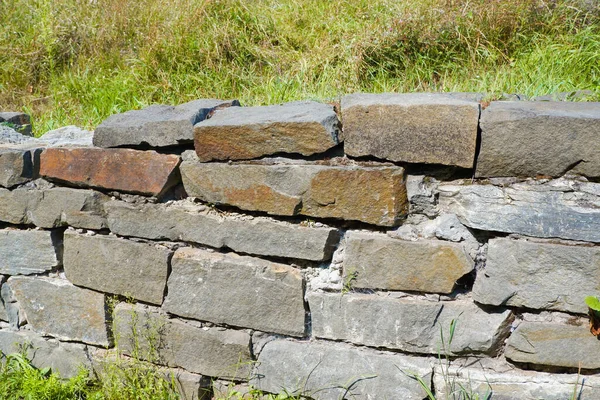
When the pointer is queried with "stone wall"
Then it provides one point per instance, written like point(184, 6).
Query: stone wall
point(333, 254)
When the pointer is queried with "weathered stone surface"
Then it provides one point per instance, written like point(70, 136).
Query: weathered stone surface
point(377, 261)
point(67, 136)
point(407, 325)
point(242, 133)
point(8, 136)
point(526, 209)
point(118, 266)
point(131, 171)
point(190, 386)
point(16, 166)
point(189, 223)
point(56, 308)
point(411, 127)
point(11, 308)
point(20, 121)
point(52, 208)
point(63, 358)
point(375, 195)
point(236, 290)
point(214, 352)
point(554, 344)
point(539, 138)
point(542, 276)
point(157, 125)
point(331, 371)
point(29, 252)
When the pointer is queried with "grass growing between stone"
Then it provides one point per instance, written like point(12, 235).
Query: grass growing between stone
point(76, 62)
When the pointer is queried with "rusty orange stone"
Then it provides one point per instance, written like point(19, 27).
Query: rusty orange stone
point(126, 170)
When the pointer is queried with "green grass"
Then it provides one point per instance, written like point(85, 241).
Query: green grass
point(78, 61)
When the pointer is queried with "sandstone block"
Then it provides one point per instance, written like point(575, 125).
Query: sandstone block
point(242, 133)
point(131, 171)
point(407, 325)
point(29, 252)
point(411, 127)
point(151, 335)
point(376, 261)
point(56, 308)
point(539, 138)
point(375, 195)
point(236, 290)
point(157, 125)
point(188, 223)
point(118, 266)
point(330, 371)
point(16, 167)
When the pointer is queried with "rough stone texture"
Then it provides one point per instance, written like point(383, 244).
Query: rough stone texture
point(29, 252)
point(375, 195)
point(16, 166)
point(411, 127)
point(377, 261)
point(21, 121)
point(56, 308)
point(190, 386)
point(67, 136)
point(407, 325)
point(63, 358)
point(8, 136)
point(157, 125)
point(541, 276)
point(236, 290)
point(118, 266)
point(190, 223)
point(214, 352)
point(330, 371)
point(538, 211)
point(241, 133)
point(54, 207)
point(553, 344)
point(539, 138)
point(11, 308)
point(131, 171)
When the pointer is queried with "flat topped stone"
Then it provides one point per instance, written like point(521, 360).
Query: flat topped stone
point(156, 125)
point(432, 128)
point(539, 138)
point(239, 133)
point(16, 167)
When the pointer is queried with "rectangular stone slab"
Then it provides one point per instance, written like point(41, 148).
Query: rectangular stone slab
point(56, 308)
point(430, 128)
point(156, 125)
point(376, 261)
point(186, 222)
point(236, 290)
point(16, 167)
point(541, 276)
point(242, 133)
point(371, 194)
point(25, 252)
point(126, 170)
point(331, 371)
point(408, 325)
point(117, 266)
point(529, 138)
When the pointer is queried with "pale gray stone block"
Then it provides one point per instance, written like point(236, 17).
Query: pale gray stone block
point(26, 252)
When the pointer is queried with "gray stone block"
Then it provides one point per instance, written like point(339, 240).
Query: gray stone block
point(29, 252)
point(66, 136)
point(331, 371)
point(539, 138)
point(9, 136)
point(236, 290)
point(192, 223)
point(242, 133)
point(56, 308)
point(21, 122)
point(376, 261)
point(432, 128)
point(117, 266)
point(215, 352)
point(407, 325)
point(16, 167)
point(157, 125)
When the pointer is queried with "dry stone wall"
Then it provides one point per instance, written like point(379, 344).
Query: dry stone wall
point(330, 253)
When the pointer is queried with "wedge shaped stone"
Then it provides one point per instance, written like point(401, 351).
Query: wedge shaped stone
point(242, 133)
point(131, 171)
point(539, 138)
point(26, 252)
point(432, 128)
point(215, 352)
point(156, 125)
point(56, 308)
point(267, 296)
point(16, 167)
point(117, 266)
